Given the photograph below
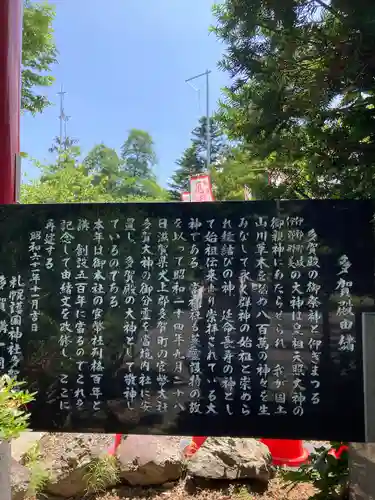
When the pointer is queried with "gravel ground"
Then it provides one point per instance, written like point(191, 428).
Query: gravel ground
point(57, 449)
point(276, 491)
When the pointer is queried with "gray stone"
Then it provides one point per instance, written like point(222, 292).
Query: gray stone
point(231, 459)
point(67, 458)
point(5, 465)
point(150, 460)
point(24, 442)
point(362, 471)
point(20, 480)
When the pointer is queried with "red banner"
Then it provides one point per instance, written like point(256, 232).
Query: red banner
point(185, 196)
point(201, 189)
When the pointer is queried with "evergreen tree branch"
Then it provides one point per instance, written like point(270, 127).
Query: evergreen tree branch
point(329, 9)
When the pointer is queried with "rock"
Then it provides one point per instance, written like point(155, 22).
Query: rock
point(67, 458)
point(24, 442)
point(169, 486)
point(190, 486)
point(230, 458)
point(150, 460)
point(20, 480)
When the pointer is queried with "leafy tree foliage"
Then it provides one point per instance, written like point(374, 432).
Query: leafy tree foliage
point(104, 164)
point(38, 54)
point(131, 172)
point(302, 90)
point(13, 400)
point(138, 160)
point(99, 178)
point(236, 171)
point(67, 185)
point(72, 185)
point(138, 154)
point(68, 153)
point(61, 145)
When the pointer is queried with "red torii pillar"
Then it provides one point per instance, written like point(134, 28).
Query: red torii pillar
point(10, 95)
point(10, 106)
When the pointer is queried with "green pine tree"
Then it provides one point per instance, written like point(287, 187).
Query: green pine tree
point(217, 140)
point(189, 164)
point(138, 154)
point(301, 93)
point(194, 159)
point(138, 159)
point(68, 153)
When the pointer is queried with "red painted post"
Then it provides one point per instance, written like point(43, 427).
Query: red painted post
point(10, 95)
point(10, 106)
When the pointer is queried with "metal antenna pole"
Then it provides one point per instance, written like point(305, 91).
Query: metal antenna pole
point(208, 125)
point(67, 118)
point(61, 118)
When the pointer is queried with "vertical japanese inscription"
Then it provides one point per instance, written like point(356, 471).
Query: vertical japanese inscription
point(35, 249)
point(297, 303)
point(178, 294)
point(114, 264)
point(195, 305)
point(81, 284)
point(263, 318)
point(228, 313)
point(99, 290)
point(163, 299)
point(314, 316)
point(66, 238)
point(344, 310)
point(4, 324)
point(211, 253)
point(244, 316)
point(129, 299)
point(147, 304)
point(277, 226)
point(235, 303)
point(16, 314)
point(16, 320)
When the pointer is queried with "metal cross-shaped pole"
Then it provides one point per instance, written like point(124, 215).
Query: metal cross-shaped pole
point(208, 125)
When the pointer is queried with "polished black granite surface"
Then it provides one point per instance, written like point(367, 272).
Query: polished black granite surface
point(237, 319)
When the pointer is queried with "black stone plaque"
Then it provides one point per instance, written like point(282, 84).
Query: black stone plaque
point(240, 319)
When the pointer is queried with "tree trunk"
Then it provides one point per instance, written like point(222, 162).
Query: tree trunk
point(5, 461)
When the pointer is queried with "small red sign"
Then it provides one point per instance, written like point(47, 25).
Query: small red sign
point(201, 189)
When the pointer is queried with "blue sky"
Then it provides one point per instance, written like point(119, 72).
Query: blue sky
point(123, 64)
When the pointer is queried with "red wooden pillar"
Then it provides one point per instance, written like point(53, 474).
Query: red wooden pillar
point(10, 95)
